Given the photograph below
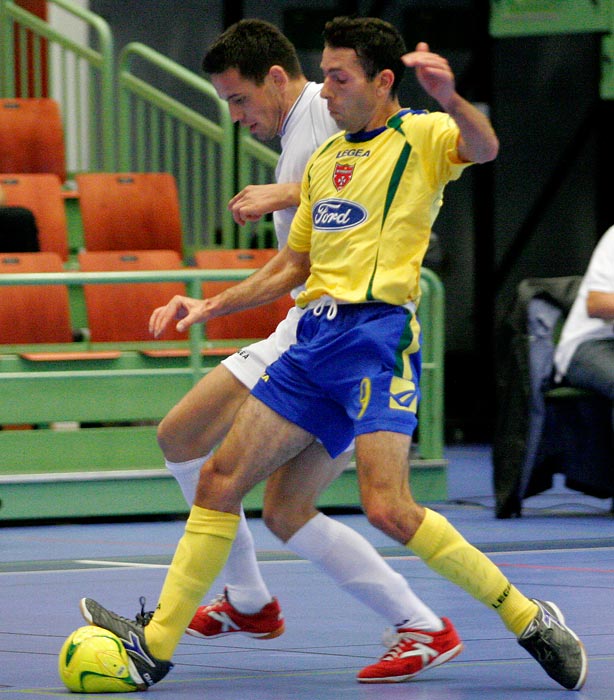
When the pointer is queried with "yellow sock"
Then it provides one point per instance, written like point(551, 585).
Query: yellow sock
point(199, 558)
point(446, 551)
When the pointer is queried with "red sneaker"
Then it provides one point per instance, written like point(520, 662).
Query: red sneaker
point(220, 618)
point(411, 652)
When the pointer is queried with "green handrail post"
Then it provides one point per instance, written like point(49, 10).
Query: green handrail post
point(431, 312)
point(196, 335)
point(178, 123)
point(100, 62)
point(7, 53)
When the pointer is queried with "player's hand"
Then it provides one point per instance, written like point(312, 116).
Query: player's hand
point(186, 310)
point(433, 73)
point(254, 201)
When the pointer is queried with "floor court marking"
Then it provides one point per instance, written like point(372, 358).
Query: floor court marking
point(283, 558)
point(115, 564)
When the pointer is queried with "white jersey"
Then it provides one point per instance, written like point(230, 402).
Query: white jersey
point(306, 127)
point(579, 326)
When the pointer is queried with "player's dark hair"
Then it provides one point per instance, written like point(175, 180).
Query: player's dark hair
point(377, 43)
point(252, 46)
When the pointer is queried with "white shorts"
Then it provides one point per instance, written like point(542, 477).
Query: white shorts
point(249, 363)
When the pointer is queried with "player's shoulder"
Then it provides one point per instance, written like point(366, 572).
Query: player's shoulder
point(421, 124)
point(418, 118)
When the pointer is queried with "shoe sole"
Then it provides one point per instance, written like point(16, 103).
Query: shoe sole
point(584, 671)
point(441, 659)
point(254, 635)
point(85, 613)
point(561, 619)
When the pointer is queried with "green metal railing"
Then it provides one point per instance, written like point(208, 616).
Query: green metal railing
point(38, 60)
point(432, 320)
point(193, 279)
point(161, 132)
point(431, 311)
point(189, 134)
point(256, 166)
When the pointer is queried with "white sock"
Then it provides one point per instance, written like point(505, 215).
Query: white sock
point(245, 586)
point(186, 474)
point(356, 566)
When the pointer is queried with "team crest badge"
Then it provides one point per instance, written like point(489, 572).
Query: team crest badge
point(342, 175)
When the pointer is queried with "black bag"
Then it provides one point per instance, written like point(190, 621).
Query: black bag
point(18, 231)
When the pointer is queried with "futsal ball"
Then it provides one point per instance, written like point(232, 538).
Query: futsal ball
point(93, 660)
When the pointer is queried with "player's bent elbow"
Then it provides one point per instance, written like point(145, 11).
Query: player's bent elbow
point(489, 151)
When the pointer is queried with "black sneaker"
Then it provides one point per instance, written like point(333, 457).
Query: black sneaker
point(555, 646)
point(145, 669)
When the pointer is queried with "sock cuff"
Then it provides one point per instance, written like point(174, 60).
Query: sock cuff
point(428, 536)
point(212, 522)
point(187, 466)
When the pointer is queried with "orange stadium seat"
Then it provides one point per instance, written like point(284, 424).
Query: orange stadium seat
point(31, 313)
point(120, 312)
point(32, 136)
point(253, 323)
point(130, 211)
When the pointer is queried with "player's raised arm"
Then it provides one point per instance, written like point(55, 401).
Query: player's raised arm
point(478, 142)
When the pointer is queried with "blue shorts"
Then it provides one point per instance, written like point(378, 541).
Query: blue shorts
point(357, 373)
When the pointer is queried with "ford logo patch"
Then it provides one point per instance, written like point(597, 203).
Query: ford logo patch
point(337, 214)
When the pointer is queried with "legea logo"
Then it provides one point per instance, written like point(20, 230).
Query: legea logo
point(337, 214)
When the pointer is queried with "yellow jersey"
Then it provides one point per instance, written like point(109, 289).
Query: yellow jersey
point(368, 202)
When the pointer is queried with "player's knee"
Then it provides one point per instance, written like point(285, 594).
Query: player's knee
point(283, 520)
point(219, 488)
point(277, 519)
point(176, 441)
point(378, 514)
point(167, 442)
point(399, 517)
point(382, 513)
point(273, 520)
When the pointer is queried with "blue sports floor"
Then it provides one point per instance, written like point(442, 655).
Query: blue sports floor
point(562, 550)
